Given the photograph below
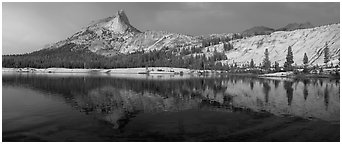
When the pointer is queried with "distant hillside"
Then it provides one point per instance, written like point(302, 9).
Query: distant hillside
point(262, 30)
point(259, 30)
point(295, 26)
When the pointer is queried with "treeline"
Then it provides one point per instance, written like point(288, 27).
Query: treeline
point(216, 40)
point(266, 66)
point(64, 56)
point(68, 56)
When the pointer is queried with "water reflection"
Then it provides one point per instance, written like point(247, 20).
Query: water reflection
point(289, 91)
point(116, 100)
point(276, 83)
point(251, 85)
point(305, 90)
point(326, 97)
point(266, 89)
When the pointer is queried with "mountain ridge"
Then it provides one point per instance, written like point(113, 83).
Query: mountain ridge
point(258, 30)
point(263, 30)
point(295, 26)
point(115, 36)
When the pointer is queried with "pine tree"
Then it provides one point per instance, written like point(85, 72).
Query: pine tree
point(305, 59)
point(251, 64)
point(266, 61)
point(326, 54)
point(225, 47)
point(289, 59)
point(276, 66)
point(305, 62)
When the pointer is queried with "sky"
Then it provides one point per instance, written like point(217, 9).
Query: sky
point(28, 27)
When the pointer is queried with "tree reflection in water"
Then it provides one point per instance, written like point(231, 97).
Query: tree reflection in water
point(116, 100)
point(326, 97)
point(266, 89)
point(289, 91)
point(305, 90)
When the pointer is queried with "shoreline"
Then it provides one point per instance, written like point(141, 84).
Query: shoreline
point(153, 70)
point(163, 71)
point(296, 76)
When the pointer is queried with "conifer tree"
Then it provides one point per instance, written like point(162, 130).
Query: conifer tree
point(276, 66)
point(305, 62)
point(266, 61)
point(251, 64)
point(326, 54)
point(305, 59)
point(289, 59)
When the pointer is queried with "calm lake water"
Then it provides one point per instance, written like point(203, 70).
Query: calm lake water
point(90, 107)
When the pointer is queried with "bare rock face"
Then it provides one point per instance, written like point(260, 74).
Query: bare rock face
point(310, 41)
point(120, 24)
point(117, 24)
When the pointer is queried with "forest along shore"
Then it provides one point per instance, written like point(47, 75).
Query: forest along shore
point(150, 70)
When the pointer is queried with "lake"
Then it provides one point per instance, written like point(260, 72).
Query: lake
point(99, 107)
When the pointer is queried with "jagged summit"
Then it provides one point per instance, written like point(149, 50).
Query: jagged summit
point(121, 13)
point(118, 23)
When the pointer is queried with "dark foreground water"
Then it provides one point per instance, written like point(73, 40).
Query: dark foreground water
point(56, 107)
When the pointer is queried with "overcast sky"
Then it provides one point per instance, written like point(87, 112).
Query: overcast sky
point(27, 27)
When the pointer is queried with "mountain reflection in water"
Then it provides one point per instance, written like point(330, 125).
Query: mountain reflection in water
point(116, 100)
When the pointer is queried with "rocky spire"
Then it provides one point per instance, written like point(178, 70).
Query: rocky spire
point(123, 17)
point(120, 24)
